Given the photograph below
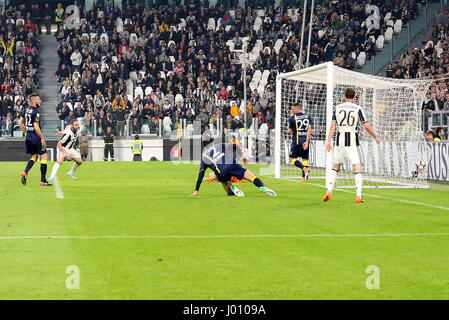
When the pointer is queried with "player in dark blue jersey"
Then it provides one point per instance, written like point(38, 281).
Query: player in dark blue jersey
point(35, 141)
point(300, 126)
point(222, 160)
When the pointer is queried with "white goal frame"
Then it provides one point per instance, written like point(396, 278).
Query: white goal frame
point(324, 74)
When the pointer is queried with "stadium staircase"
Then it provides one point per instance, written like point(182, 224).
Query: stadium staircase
point(48, 88)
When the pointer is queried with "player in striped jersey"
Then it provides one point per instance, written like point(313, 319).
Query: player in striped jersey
point(347, 116)
point(67, 150)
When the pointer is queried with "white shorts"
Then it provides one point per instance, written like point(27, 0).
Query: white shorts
point(75, 154)
point(343, 154)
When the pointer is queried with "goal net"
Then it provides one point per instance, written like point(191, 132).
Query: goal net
point(392, 106)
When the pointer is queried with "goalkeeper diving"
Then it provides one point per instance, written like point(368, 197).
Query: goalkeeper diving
point(222, 160)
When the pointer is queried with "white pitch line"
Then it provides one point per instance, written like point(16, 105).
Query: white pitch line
point(227, 236)
point(58, 190)
point(382, 197)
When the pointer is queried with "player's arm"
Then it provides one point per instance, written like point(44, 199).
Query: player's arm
point(330, 135)
point(367, 126)
point(38, 131)
point(22, 126)
point(371, 131)
point(199, 180)
point(305, 145)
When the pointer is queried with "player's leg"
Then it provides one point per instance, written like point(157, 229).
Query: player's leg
point(55, 169)
point(305, 164)
point(338, 159)
point(112, 153)
point(44, 161)
point(248, 175)
point(358, 177)
point(294, 158)
point(332, 177)
point(106, 153)
point(232, 190)
point(76, 163)
point(28, 167)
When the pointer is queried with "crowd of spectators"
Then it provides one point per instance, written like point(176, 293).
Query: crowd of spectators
point(18, 63)
point(431, 60)
point(173, 61)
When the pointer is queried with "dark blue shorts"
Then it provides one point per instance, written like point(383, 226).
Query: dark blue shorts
point(228, 171)
point(34, 146)
point(297, 151)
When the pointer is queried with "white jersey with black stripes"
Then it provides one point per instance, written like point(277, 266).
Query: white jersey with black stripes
point(69, 138)
point(347, 117)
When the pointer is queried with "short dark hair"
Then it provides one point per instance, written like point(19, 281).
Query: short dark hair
point(296, 105)
point(73, 121)
point(349, 93)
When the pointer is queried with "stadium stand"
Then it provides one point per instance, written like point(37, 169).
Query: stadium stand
point(430, 60)
point(158, 66)
point(18, 63)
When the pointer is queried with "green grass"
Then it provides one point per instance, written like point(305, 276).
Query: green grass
point(142, 199)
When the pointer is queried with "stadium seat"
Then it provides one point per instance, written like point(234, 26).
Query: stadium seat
point(148, 90)
point(380, 42)
point(278, 45)
point(166, 125)
point(397, 26)
point(179, 98)
point(145, 129)
point(138, 92)
point(211, 25)
point(263, 130)
point(104, 36)
point(189, 130)
point(119, 25)
point(133, 75)
point(361, 59)
point(20, 21)
point(388, 34)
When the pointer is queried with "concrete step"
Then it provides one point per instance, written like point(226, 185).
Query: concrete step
point(48, 88)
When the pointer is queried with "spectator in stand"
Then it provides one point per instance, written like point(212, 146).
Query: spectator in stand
point(173, 64)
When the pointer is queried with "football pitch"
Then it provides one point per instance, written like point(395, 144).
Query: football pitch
point(131, 231)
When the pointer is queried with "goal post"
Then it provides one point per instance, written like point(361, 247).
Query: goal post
point(392, 106)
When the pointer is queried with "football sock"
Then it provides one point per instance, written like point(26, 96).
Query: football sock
point(332, 178)
point(55, 169)
point(74, 167)
point(230, 193)
point(298, 164)
point(43, 169)
point(358, 183)
point(305, 164)
point(29, 165)
point(257, 182)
